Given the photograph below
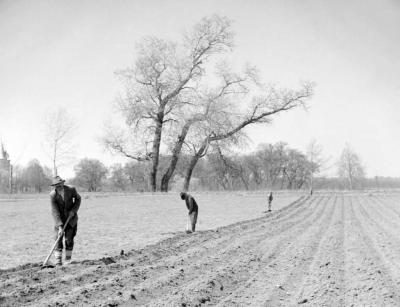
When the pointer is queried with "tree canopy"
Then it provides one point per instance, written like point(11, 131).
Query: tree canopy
point(183, 95)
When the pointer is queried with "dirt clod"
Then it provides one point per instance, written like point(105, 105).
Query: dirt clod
point(107, 260)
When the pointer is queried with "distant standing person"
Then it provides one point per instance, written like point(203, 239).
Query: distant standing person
point(193, 209)
point(65, 202)
point(270, 198)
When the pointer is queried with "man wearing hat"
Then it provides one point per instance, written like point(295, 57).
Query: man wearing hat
point(65, 202)
point(191, 205)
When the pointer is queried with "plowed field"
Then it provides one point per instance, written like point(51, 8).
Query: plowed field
point(338, 249)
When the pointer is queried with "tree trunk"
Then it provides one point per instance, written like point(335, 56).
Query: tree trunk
point(246, 185)
point(54, 161)
point(312, 182)
point(350, 183)
point(283, 178)
point(156, 153)
point(189, 172)
point(192, 165)
point(175, 157)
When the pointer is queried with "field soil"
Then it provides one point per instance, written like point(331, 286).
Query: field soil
point(333, 249)
point(110, 222)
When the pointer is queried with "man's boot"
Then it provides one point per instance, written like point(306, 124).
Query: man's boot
point(58, 255)
point(68, 256)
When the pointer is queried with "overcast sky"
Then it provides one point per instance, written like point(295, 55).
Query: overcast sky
point(64, 53)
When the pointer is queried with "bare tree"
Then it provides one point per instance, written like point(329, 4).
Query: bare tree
point(163, 79)
point(350, 166)
point(60, 129)
point(118, 179)
point(137, 173)
point(228, 169)
point(272, 159)
point(253, 166)
point(207, 102)
point(90, 173)
point(314, 153)
point(37, 176)
point(297, 169)
point(228, 122)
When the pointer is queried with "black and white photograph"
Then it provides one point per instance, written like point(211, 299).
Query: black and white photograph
point(199, 153)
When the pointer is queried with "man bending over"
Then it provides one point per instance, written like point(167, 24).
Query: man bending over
point(193, 209)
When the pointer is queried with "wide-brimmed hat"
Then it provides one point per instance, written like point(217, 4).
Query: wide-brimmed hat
point(57, 180)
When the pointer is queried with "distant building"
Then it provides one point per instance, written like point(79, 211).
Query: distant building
point(5, 171)
point(5, 163)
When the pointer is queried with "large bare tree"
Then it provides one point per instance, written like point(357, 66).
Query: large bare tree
point(171, 98)
point(163, 81)
point(209, 101)
point(60, 128)
point(229, 121)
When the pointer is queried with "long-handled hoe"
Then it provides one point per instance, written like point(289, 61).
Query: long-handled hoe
point(45, 263)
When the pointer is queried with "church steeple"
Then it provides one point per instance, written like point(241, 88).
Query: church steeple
point(4, 152)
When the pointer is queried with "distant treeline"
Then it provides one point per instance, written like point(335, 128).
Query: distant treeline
point(271, 166)
point(337, 183)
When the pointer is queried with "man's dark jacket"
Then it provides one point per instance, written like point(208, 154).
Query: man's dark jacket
point(191, 204)
point(60, 208)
